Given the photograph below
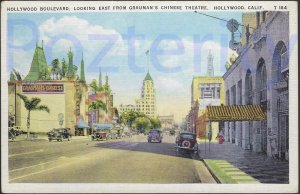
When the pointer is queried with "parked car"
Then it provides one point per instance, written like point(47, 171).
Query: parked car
point(186, 141)
point(155, 135)
point(59, 134)
point(172, 132)
point(100, 135)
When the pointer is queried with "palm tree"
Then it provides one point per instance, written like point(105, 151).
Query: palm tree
point(32, 105)
point(55, 68)
point(96, 106)
point(94, 86)
point(64, 68)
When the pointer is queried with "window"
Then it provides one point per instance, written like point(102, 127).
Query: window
point(233, 95)
point(210, 90)
point(240, 100)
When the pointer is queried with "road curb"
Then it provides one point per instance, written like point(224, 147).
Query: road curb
point(210, 171)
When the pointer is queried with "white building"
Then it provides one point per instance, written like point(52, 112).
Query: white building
point(147, 103)
point(260, 76)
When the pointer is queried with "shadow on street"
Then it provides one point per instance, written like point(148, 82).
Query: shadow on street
point(156, 148)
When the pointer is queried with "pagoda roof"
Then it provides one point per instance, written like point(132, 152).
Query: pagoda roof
point(38, 65)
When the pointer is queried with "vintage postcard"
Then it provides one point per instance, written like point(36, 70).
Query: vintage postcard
point(149, 96)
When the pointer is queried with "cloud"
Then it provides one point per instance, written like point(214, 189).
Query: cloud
point(168, 84)
point(194, 59)
point(70, 31)
point(21, 60)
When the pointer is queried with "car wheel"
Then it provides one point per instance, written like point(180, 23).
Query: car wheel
point(68, 139)
point(50, 139)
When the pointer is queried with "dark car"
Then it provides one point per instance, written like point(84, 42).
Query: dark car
point(172, 132)
point(100, 135)
point(187, 141)
point(59, 134)
point(155, 135)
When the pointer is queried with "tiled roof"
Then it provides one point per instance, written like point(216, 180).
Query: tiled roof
point(236, 113)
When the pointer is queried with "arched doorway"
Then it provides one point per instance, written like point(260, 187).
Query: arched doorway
point(261, 87)
point(280, 74)
point(249, 101)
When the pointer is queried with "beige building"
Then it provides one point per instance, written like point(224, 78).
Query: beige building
point(126, 107)
point(206, 91)
point(147, 103)
point(66, 99)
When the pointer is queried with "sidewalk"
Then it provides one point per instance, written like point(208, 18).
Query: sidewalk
point(258, 165)
point(39, 137)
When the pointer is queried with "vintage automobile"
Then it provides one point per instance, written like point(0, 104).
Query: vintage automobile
point(172, 132)
point(100, 135)
point(59, 134)
point(101, 131)
point(155, 135)
point(186, 141)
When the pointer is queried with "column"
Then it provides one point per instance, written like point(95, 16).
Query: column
point(245, 135)
point(226, 132)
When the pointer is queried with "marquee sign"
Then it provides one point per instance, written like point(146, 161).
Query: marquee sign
point(42, 88)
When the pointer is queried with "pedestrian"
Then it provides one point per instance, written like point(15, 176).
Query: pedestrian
point(221, 138)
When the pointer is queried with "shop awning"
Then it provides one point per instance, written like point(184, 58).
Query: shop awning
point(99, 126)
point(81, 124)
point(236, 113)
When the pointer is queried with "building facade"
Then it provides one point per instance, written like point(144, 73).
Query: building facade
point(126, 107)
point(260, 76)
point(147, 102)
point(167, 122)
point(207, 91)
point(66, 98)
point(103, 94)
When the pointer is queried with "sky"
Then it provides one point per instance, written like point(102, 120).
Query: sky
point(178, 45)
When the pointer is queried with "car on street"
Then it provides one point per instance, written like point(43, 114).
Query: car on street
point(155, 135)
point(100, 135)
point(186, 141)
point(59, 134)
point(172, 132)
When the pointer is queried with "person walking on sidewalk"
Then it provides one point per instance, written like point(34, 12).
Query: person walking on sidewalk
point(221, 138)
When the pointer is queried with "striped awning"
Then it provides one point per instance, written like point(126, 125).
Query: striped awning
point(236, 113)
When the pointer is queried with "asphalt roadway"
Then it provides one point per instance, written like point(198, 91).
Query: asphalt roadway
point(127, 160)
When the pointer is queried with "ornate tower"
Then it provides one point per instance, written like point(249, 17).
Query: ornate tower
point(106, 80)
point(82, 76)
point(210, 65)
point(100, 78)
point(148, 96)
point(70, 72)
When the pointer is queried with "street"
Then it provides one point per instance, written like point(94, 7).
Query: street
point(127, 160)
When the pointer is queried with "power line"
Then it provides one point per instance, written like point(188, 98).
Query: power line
point(221, 19)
